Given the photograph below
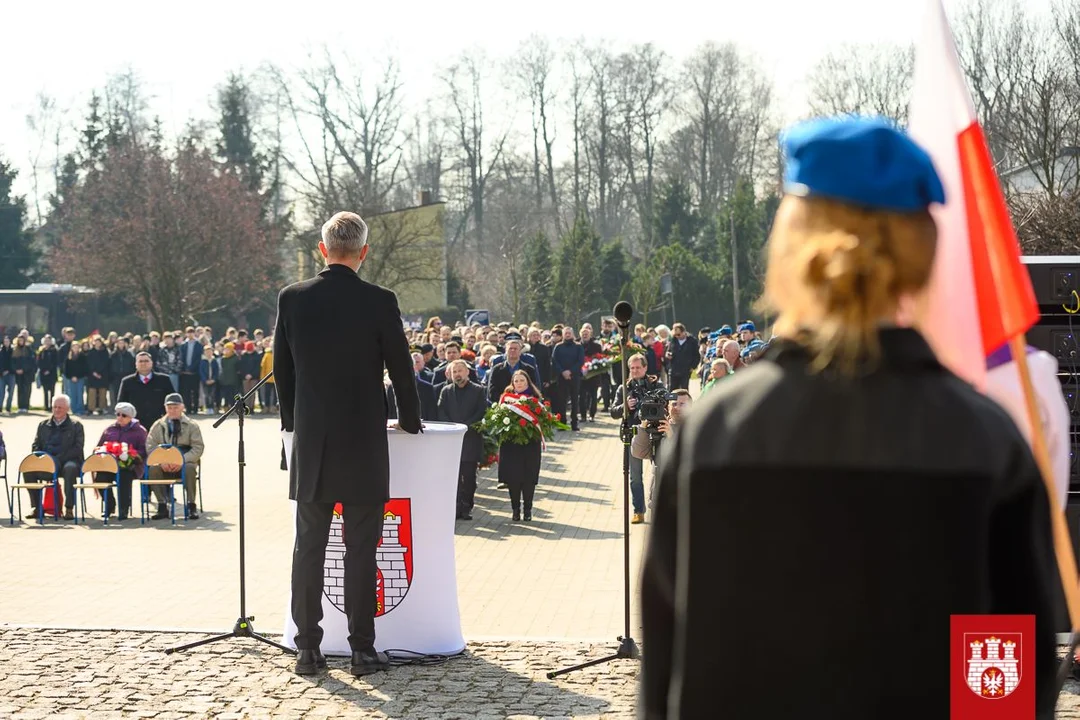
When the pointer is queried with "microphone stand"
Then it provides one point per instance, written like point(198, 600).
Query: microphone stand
point(243, 626)
point(628, 649)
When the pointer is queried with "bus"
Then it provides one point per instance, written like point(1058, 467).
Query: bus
point(47, 308)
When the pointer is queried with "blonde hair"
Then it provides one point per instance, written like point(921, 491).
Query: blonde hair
point(837, 272)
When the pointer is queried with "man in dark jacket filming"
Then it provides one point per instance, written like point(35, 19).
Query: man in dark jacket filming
point(632, 392)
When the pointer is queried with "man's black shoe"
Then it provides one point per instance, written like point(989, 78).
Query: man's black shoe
point(192, 511)
point(162, 512)
point(464, 516)
point(365, 662)
point(310, 662)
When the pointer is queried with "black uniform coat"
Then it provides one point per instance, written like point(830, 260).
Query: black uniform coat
point(332, 396)
point(801, 512)
point(148, 398)
point(467, 406)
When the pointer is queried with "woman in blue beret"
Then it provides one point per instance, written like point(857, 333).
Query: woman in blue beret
point(835, 503)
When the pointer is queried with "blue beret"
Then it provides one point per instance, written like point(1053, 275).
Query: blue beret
point(747, 326)
point(725, 330)
point(861, 161)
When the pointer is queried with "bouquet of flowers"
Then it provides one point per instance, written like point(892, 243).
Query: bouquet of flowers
point(519, 419)
point(595, 366)
point(125, 455)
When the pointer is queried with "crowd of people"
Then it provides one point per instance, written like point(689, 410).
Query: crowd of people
point(461, 370)
point(98, 373)
point(207, 372)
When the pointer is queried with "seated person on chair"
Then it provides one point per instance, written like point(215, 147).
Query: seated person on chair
point(128, 430)
point(177, 429)
point(62, 437)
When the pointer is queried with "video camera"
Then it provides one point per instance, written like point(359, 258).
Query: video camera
point(652, 407)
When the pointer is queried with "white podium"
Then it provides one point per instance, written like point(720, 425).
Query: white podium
point(417, 585)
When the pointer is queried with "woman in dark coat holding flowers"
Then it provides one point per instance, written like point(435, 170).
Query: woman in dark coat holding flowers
point(519, 465)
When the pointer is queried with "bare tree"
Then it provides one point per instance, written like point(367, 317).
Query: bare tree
point(644, 93)
point(990, 35)
point(580, 87)
point(406, 249)
point(727, 105)
point(866, 79)
point(532, 68)
point(46, 124)
point(479, 148)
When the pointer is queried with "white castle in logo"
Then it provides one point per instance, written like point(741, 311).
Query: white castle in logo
point(390, 559)
point(993, 676)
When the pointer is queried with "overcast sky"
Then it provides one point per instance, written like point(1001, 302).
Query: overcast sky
point(183, 51)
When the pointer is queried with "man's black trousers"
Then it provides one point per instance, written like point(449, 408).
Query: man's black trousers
point(569, 389)
point(466, 489)
point(362, 530)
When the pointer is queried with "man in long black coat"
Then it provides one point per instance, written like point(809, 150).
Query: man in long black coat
point(146, 390)
point(465, 402)
point(335, 404)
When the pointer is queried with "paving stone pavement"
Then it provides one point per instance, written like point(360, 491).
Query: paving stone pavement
point(101, 675)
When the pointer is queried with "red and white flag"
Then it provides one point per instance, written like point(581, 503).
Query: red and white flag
point(980, 294)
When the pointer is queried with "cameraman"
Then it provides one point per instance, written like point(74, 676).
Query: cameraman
point(633, 391)
point(642, 446)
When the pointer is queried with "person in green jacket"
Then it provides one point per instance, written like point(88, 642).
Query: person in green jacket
point(719, 370)
point(230, 374)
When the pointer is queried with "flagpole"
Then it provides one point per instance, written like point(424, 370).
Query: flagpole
point(1063, 548)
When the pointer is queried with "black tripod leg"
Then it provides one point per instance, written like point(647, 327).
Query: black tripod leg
point(197, 643)
point(582, 666)
point(271, 643)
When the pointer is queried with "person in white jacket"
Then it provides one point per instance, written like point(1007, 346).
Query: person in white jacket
point(1003, 385)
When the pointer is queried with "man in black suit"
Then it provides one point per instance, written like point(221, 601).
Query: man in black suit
point(146, 390)
point(462, 401)
point(499, 377)
point(684, 356)
point(334, 403)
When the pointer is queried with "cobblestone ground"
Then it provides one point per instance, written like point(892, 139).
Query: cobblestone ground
point(100, 675)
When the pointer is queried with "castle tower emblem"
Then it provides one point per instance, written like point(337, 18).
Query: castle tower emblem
point(992, 666)
point(393, 558)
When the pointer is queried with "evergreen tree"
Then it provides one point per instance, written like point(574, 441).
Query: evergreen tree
point(674, 218)
point(17, 256)
point(236, 142)
point(752, 221)
point(539, 279)
point(614, 277)
point(457, 292)
point(92, 137)
point(577, 292)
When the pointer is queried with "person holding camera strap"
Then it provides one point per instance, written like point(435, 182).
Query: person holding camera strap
point(632, 392)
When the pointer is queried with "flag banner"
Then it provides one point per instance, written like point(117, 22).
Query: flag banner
point(992, 667)
point(980, 295)
point(416, 583)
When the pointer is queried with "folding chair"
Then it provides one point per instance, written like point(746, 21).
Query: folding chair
point(7, 490)
point(42, 463)
point(198, 483)
point(99, 462)
point(163, 455)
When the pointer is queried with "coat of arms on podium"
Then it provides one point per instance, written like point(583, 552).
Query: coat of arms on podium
point(993, 668)
point(393, 558)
